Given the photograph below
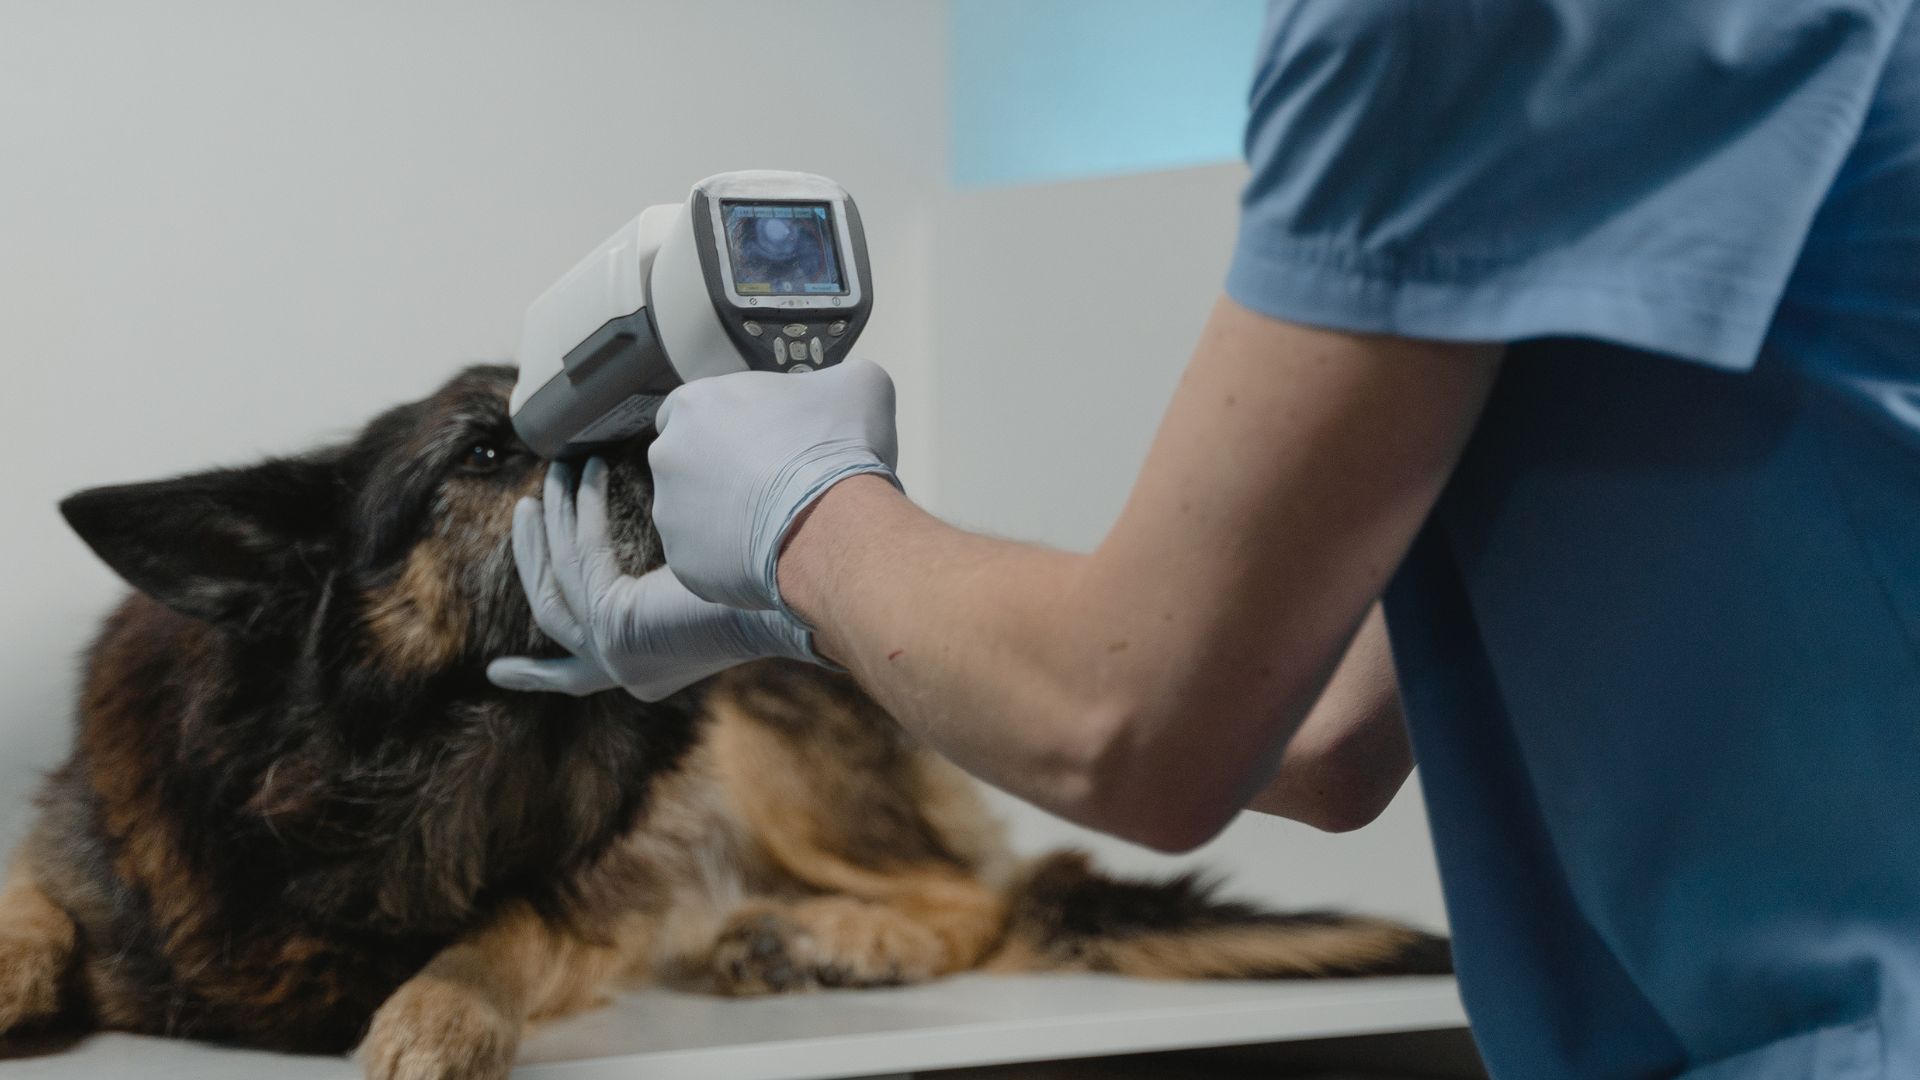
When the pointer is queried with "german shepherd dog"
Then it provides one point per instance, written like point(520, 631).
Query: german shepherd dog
point(297, 816)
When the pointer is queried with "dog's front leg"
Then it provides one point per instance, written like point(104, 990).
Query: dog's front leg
point(461, 1017)
point(37, 942)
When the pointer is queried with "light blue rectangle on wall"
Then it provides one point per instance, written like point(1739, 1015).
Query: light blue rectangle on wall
point(1057, 89)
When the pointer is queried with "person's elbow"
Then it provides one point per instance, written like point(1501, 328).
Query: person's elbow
point(1140, 772)
point(1337, 789)
point(1126, 786)
point(1167, 820)
point(1178, 834)
point(1341, 813)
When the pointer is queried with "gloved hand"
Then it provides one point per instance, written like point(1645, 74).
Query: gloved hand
point(739, 458)
point(647, 634)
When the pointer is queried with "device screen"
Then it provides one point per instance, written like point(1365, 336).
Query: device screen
point(782, 248)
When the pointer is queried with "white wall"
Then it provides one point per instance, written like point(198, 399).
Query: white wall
point(1065, 315)
point(230, 228)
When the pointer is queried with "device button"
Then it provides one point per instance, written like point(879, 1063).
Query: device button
point(797, 350)
point(779, 351)
point(797, 368)
point(753, 328)
point(814, 350)
point(794, 329)
point(837, 327)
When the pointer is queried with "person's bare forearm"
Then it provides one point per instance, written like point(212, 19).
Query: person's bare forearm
point(1008, 680)
point(1150, 687)
point(964, 638)
point(1027, 667)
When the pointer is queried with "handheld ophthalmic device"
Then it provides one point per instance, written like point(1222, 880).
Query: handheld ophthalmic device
point(759, 270)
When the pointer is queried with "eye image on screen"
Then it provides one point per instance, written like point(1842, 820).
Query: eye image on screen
point(782, 249)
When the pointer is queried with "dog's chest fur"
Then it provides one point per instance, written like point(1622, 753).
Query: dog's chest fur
point(257, 853)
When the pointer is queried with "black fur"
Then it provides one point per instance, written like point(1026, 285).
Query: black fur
point(1078, 911)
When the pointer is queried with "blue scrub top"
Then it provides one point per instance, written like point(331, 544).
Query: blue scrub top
point(1659, 641)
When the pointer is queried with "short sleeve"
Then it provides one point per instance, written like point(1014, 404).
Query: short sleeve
point(1642, 172)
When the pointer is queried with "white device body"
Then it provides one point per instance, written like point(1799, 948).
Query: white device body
point(675, 295)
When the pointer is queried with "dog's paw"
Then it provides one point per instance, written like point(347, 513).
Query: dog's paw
point(755, 954)
point(826, 942)
point(438, 1029)
point(32, 972)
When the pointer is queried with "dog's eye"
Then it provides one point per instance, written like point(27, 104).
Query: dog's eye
point(481, 457)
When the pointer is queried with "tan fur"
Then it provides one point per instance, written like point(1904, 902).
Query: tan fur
point(36, 951)
point(438, 1027)
point(1246, 952)
point(780, 805)
point(962, 912)
point(1258, 951)
point(769, 947)
point(146, 855)
point(419, 623)
point(463, 1015)
point(133, 810)
point(950, 801)
point(149, 857)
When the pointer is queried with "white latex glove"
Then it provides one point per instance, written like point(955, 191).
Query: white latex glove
point(739, 458)
point(647, 634)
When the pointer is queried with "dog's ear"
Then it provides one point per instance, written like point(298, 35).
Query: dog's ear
point(224, 546)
